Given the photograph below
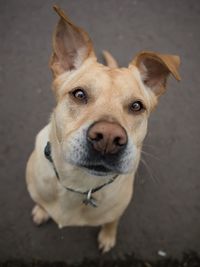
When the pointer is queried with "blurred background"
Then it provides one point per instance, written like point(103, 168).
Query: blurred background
point(164, 213)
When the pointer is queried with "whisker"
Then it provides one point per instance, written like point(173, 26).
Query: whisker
point(150, 155)
point(148, 145)
point(153, 177)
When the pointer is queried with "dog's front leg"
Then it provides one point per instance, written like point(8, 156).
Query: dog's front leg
point(39, 215)
point(107, 236)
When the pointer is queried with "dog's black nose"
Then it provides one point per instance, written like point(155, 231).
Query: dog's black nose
point(107, 137)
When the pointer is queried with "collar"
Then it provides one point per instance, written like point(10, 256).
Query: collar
point(89, 199)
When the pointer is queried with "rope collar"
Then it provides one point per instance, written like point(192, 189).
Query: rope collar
point(89, 199)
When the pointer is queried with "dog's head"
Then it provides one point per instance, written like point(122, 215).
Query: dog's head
point(102, 112)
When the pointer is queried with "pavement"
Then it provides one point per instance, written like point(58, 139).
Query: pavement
point(164, 213)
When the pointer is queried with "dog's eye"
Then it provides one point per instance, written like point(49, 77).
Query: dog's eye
point(80, 95)
point(136, 106)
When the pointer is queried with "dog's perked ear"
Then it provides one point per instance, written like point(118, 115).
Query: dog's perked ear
point(71, 45)
point(155, 68)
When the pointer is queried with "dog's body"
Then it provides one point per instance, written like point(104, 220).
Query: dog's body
point(96, 132)
point(66, 208)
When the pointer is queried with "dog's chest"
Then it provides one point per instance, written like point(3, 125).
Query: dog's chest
point(69, 208)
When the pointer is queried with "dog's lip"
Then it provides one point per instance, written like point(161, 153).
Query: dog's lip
point(97, 168)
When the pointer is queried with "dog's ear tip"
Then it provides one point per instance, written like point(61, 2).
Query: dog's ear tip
point(60, 13)
point(56, 8)
point(178, 77)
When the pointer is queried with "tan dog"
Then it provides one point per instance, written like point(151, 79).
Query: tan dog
point(95, 134)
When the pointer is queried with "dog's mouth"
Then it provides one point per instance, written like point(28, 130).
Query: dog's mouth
point(99, 170)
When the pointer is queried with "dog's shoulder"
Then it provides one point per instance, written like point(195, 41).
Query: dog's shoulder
point(42, 138)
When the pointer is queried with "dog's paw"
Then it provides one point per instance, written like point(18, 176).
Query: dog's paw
point(39, 215)
point(106, 240)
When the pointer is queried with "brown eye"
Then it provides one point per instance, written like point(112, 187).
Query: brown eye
point(136, 106)
point(80, 95)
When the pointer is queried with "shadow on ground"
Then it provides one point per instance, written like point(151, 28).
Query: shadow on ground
point(188, 260)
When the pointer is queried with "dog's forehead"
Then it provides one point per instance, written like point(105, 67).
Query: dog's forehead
point(101, 80)
point(100, 77)
point(124, 79)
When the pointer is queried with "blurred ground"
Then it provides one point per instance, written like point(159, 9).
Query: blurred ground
point(188, 260)
point(165, 211)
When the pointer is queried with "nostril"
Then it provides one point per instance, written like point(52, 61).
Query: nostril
point(118, 141)
point(99, 136)
point(96, 137)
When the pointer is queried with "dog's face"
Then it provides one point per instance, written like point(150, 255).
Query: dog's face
point(102, 112)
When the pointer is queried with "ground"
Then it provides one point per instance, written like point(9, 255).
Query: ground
point(164, 213)
point(188, 260)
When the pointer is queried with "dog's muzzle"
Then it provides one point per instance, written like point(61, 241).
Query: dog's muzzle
point(106, 142)
point(102, 149)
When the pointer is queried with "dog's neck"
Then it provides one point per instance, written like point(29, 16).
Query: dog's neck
point(88, 198)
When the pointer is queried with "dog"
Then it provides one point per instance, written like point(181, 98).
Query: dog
point(82, 169)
